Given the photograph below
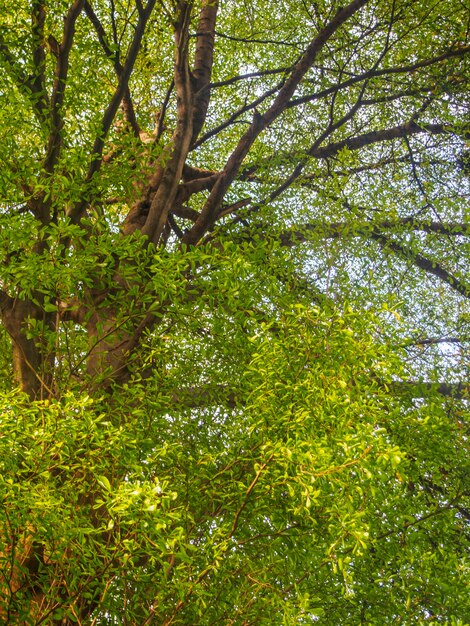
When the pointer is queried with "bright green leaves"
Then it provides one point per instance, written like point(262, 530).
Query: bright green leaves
point(314, 479)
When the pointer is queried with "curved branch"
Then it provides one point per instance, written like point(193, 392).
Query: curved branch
point(408, 129)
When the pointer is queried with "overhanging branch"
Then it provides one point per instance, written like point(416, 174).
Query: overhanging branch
point(424, 389)
point(375, 231)
point(379, 136)
point(337, 230)
point(428, 265)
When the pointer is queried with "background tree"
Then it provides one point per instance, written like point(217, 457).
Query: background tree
point(235, 296)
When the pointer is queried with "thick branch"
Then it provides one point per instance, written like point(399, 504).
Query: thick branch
point(32, 362)
point(308, 58)
point(164, 197)
point(361, 141)
point(60, 83)
point(379, 136)
point(195, 186)
point(203, 60)
point(38, 17)
point(6, 303)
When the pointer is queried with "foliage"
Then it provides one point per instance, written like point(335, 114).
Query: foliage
point(234, 305)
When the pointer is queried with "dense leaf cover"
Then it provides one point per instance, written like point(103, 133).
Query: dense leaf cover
point(234, 306)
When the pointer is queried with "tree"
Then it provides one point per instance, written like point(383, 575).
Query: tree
point(234, 312)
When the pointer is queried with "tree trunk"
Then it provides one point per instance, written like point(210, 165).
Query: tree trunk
point(32, 360)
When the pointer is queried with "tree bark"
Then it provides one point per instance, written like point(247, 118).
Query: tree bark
point(32, 362)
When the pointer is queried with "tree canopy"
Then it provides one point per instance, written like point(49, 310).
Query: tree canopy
point(234, 312)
